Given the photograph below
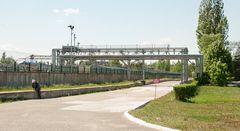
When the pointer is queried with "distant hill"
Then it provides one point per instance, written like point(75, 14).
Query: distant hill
point(14, 54)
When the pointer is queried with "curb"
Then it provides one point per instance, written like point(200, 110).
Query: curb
point(23, 95)
point(144, 123)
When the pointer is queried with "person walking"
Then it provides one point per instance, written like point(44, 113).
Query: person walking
point(36, 86)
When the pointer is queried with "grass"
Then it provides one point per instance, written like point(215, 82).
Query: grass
point(57, 87)
point(67, 86)
point(18, 98)
point(64, 86)
point(215, 108)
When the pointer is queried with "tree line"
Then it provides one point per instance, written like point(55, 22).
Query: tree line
point(6, 60)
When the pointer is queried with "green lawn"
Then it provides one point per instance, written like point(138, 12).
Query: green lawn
point(215, 108)
point(64, 86)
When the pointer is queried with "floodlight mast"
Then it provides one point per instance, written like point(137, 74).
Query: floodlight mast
point(71, 61)
point(74, 43)
point(71, 27)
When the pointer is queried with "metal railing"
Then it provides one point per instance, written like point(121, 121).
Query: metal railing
point(40, 67)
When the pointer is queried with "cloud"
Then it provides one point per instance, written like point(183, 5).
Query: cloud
point(70, 11)
point(67, 12)
point(55, 11)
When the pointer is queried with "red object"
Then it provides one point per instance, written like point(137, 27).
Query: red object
point(155, 81)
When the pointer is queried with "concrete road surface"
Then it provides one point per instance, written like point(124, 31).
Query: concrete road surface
point(90, 112)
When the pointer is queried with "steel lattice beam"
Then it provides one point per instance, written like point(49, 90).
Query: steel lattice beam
point(132, 57)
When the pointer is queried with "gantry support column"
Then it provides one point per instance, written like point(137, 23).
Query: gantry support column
point(143, 71)
point(201, 67)
point(129, 69)
point(184, 71)
point(196, 69)
point(54, 57)
point(128, 65)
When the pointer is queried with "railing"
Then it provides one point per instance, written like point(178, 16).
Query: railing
point(40, 67)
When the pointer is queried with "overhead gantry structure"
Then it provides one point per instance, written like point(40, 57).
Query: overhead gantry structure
point(91, 50)
point(33, 57)
point(69, 54)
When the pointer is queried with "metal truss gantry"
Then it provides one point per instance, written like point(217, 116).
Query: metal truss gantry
point(92, 50)
point(33, 57)
point(73, 53)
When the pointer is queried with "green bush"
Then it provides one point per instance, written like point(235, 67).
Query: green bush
point(219, 73)
point(186, 91)
point(204, 80)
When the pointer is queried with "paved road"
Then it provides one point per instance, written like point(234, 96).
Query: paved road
point(89, 112)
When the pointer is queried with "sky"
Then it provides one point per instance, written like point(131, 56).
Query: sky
point(37, 26)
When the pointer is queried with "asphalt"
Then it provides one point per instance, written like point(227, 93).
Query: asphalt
point(90, 112)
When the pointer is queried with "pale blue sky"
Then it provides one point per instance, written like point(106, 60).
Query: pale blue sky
point(37, 26)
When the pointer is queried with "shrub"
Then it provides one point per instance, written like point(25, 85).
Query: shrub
point(218, 63)
point(219, 74)
point(204, 80)
point(186, 91)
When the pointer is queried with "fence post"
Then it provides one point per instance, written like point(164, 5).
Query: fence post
point(15, 67)
point(51, 69)
point(29, 67)
point(40, 67)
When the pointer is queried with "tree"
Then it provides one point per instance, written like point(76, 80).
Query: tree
point(204, 21)
point(235, 48)
point(218, 63)
point(220, 23)
point(216, 51)
point(211, 20)
point(163, 65)
point(219, 74)
point(176, 67)
point(237, 53)
point(115, 63)
point(236, 63)
point(138, 64)
point(3, 56)
point(212, 34)
point(191, 69)
point(85, 63)
point(6, 60)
